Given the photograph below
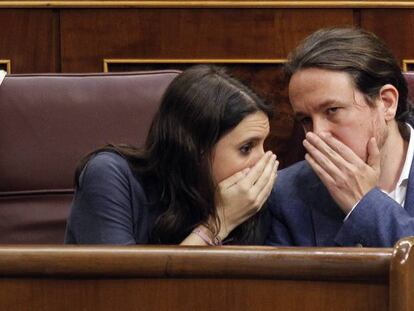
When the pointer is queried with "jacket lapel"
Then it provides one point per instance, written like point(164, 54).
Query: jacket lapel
point(327, 217)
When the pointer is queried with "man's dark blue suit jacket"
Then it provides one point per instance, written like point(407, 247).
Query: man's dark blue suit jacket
point(304, 214)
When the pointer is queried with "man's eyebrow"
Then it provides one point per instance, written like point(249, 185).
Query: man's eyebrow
point(321, 106)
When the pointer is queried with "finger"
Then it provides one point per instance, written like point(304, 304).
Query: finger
point(341, 149)
point(322, 174)
point(265, 192)
point(315, 144)
point(374, 157)
point(323, 161)
point(265, 176)
point(339, 154)
point(257, 170)
point(234, 179)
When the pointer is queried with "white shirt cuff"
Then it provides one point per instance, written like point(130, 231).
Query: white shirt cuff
point(353, 207)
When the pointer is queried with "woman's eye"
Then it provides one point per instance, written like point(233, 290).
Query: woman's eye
point(245, 149)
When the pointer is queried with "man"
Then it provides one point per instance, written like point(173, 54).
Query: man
point(356, 185)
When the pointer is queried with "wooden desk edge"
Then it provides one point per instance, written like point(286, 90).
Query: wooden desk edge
point(363, 264)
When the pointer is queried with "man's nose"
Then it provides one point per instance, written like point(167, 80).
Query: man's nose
point(319, 126)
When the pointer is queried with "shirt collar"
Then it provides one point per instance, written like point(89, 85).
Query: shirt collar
point(408, 159)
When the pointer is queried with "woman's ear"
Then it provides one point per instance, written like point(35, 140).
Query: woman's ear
point(389, 97)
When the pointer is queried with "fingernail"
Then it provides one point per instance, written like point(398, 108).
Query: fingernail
point(325, 134)
point(309, 134)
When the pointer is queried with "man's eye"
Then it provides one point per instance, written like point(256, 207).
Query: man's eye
point(332, 110)
point(245, 149)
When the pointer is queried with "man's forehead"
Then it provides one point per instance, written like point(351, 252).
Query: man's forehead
point(316, 89)
point(315, 78)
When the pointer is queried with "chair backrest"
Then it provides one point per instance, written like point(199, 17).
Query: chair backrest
point(47, 123)
point(409, 77)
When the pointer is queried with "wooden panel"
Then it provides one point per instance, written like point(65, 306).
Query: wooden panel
point(395, 27)
point(190, 295)
point(308, 4)
point(89, 36)
point(193, 278)
point(402, 276)
point(322, 264)
point(30, 39)
point(408, 64)
point(5, 65)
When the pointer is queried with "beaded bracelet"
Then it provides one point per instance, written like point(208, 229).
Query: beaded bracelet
point(206, 238)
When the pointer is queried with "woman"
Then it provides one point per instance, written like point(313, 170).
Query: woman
point(201, 178)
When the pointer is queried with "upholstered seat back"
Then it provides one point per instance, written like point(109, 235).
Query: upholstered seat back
point(47, 123)
point(409, 77)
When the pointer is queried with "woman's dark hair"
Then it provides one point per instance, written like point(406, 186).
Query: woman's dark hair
point(200, 106)
point(357, 52)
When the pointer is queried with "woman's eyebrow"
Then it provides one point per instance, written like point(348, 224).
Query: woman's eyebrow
point(252, 139)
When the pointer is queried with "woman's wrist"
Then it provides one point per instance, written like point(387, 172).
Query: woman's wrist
point(225, 230)
point(207, 235)
point(201, 235)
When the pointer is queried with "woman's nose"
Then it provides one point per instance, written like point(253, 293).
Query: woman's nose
point(257, 156)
